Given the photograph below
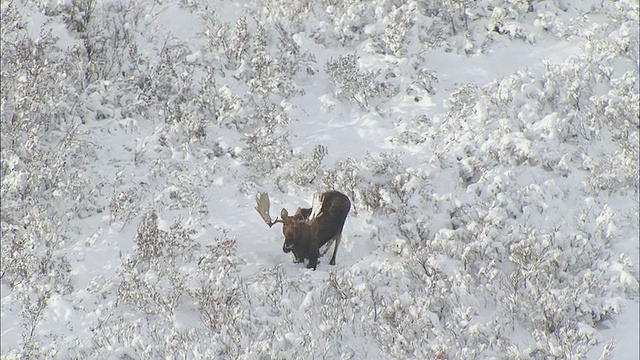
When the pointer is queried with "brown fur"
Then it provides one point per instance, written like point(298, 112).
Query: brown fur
point(304, 237)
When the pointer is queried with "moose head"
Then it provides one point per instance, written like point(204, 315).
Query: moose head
point(309, 229)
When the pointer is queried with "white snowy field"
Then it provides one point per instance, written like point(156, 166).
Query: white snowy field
point(490, 150)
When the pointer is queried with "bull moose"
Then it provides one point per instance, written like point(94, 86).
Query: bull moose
point(309, 229)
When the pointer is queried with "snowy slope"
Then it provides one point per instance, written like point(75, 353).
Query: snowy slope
point(490, 150)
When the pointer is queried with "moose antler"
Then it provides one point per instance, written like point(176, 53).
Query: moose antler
point(316, 206)
point(262, 201)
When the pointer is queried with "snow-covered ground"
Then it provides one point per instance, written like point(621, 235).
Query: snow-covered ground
point(490, 150)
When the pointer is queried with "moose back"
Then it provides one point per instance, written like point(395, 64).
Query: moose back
point(309, 229)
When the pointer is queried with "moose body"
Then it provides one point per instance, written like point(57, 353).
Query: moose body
point(309, 229)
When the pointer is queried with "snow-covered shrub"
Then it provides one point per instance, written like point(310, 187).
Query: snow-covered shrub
point(266, 72)
point(378, 183)
point(364, 182)
point(217, 294)
point(454, 13)
point(613, 172)
point(36, 93)
point(530, 263)
point(356, 85)
point(170, 272)
point(124, 205)
point(172, 85)
point(414, 134)
point(465, 26)
point(37, 272)
point(155, 265)
point(373, 193)
point(269, 151)
point(618, 170)
point(476, 249)
point(294, 57)
point(506, 19)
point(107, 48)
point(37, 142)
point(425, 82)
point(398, 23)
point(239, 44)
point(564, 300)
point(310, 167)
point(344, 176)
point(30, 251)
point(348, 19)
point(268, 147)
point(183, 192)
point(537, 280)
point(248, 62)
point(228, 107)
point(218, 42)
point(76, 14)
point(292, 12)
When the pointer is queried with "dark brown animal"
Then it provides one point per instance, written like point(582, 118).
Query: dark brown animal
point(309, 229)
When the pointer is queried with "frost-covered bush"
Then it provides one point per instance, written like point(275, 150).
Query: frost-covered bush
point(454, 13)
point(171, 82)
point(348, 19)
point(366, 192)
point(560, 107)
point(345, 177)
point(269, 152)
point(379, 184)
point(536, 280)
point(37, 272)
point(168, 273)
point(621, 119)
point(124, 205)
point(415, 134)
point(38, 141)
point(356, 85)
point(267, 71)
point(470, 230)
point(268, 146)
point(76, 14)
point(425, 82)
point(106, 48)
point(292, 12)
point(310, 167)
point(36, 94)
point(469, 27)
point(159, 253)
point(266, 74)
point(398, 23)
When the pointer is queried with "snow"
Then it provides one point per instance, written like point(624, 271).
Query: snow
point(490, 152)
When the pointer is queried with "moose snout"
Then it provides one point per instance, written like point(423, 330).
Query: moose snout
point(287, 247)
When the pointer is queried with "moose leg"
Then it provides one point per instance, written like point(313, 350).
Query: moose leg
point(297, 257)
point(335, 249)
point(313, 259)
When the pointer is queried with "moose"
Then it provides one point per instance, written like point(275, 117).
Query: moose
point(309, 229)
